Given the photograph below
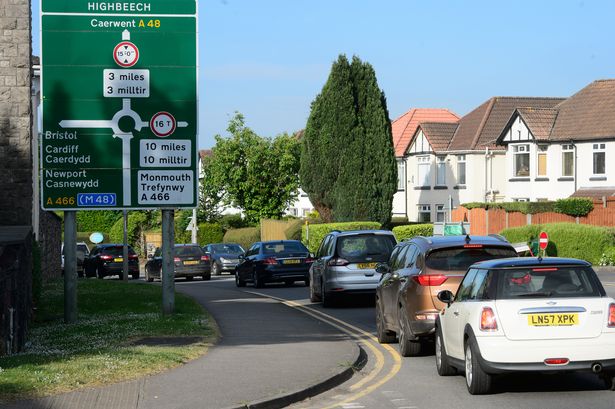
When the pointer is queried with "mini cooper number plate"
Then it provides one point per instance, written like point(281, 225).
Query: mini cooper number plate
point(366, 265)
point(553, 320)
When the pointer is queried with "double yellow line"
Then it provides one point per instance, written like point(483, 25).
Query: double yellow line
point(367, 384)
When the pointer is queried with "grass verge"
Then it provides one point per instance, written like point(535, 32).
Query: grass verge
point(99, 348)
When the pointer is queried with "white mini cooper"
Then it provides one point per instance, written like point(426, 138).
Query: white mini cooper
point(526, 315)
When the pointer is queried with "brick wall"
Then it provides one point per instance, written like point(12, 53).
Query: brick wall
point(50, 242)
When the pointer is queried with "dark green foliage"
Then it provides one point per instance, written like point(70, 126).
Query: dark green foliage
point(567, 239)
point(244, 237)
point(138, 222)
point(233, 221)
point(180, 222)
point(37, 274)
point(574, 206)
point(608, 257)
point(97, 220)
point(317, 232)
point(412, 230)
point(348, 164)
point(209, 233)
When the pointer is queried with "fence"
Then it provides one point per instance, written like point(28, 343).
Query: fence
point(483, 222)
point(275, 229)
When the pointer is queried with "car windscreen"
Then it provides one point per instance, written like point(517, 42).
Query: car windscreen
point(284, 247)
point(227, 249)
point(460, 258)
point(117, 250)
point(188, 251)
point(365, 247)
point(548, 282)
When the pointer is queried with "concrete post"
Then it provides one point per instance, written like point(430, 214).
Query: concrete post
point(168, 271)
point(70, 267)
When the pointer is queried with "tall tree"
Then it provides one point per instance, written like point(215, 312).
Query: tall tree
point(348, 164)
point(257, 175)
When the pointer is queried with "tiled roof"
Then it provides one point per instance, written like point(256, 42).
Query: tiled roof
point(404, 127)
point(588, 114)
point(438, 134)
point(481, 127)
point(539, 120)
point(594, 192)
point(204, 153)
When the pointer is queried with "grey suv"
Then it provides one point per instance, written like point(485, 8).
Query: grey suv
point(346, 264)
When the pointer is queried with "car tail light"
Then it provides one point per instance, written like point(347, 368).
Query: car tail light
point(309, 260)
point(176, 259)
point(430, 279)
point(106, 257)
point(472, 246)
point(338, 261)
point(556, 361)
point(611, 322)
point(133, 257)
point(487, 320)
point(205, 258)
point(545, 269)
point(271, 261)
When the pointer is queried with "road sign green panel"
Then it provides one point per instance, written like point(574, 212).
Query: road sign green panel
point(119, 92)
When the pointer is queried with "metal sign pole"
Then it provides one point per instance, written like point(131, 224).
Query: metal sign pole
point(125, 248)
point(70, 267)
point(168, 271)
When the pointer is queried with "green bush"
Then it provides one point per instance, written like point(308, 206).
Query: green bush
point(209, 233)
point(293, 232)
point(245, 236)
point(97, 220)
point(574, 206)
point(567, 239)
point(409, 231)
point(608, 257)
point(233, 221)
point(137, 223)
point(318, 232)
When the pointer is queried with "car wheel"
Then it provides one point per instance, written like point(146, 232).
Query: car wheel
point(238, 281)
point(215, 269)
point(407, 347)
point(189, 278)
point(148, 278)
point(258, 282)
point(384, 336)
point(442, 364)
point(313, 296)
point(99, 273)
point(477, 380)
point(327, 299)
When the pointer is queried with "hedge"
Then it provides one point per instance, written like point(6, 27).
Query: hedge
point(574, 206)
point(97, 220)
point(608, 257)
point(244, 237)
point(567, 239)
point(318, 232)
point(409, 231)
point(137, 222)
point(209, 233)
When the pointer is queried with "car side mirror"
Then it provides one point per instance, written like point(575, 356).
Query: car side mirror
point(382, 268)
point(446, 297)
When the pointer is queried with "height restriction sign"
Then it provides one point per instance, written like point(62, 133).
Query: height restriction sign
point(119, 103)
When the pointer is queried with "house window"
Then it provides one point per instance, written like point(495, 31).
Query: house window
point(441, 170)
point(440, 213)
point(599, 159)
point(423, 171)
point(521, 199)
point(461, 169)
point(401, 175)
point(542, 160)
point(567, 160)
point(294, 211)
point(424, 213)
point(521, 155)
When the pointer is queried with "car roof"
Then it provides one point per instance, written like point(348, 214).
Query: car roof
point(280, 241)
point(436, 242)
point(355, 232)
point(531, 262)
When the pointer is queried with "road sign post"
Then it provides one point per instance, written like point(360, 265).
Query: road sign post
point(119, 105)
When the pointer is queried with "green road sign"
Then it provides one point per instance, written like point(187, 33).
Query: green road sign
point(119, 102)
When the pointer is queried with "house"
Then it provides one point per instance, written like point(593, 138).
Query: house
point(453, 162)
point(403, 129)
point(564, 150)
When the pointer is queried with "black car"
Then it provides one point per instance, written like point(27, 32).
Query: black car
point(189, 261)
point(108, 260)
point(284, 261)
point(224, 257)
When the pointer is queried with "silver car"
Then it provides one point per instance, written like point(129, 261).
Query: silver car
point(346, 264)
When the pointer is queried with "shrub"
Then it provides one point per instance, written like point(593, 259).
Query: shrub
point(245, 236)
point(97, 220)
point(522, 207)
point(409, 231)
point(209, 233)
point(574, 206)
point(318, 232)
point(293, 232)
point(568, 239)
point(233, 221)
point(608, 257)
point(137, 223)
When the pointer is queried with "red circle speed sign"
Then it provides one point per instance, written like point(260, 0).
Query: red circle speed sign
point(543, 240)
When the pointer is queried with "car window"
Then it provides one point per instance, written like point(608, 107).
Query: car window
point(410, 256)
point(158, 252)
point(117, 250)
point(465, 288)
point(226, 248)
point(372, 247)
point(480, 286)
point(551, 282)
point(284, 247)
point(323, 246)
point(461, 258)
point(393, 258)
point(399, 260)
point(188, 251)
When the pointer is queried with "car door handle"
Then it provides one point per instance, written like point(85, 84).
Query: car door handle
point(456, 313)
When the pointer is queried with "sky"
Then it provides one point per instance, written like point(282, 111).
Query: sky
point(268, 59)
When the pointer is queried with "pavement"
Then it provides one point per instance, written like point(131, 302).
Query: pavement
point(268, 356)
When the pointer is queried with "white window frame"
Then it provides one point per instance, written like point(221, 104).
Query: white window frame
point(424, 209)
point(461, 160)
point(567, 150)
point(598, 148)
point(423, 162)
point(440, 170)
point(518, 150)
point(401, 175)
point(440, 211)
point(541, 150)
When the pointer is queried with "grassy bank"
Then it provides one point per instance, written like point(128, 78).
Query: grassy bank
point(105, 345)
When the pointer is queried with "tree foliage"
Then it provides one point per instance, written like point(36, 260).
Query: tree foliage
point(258, 175)
point(348, 164)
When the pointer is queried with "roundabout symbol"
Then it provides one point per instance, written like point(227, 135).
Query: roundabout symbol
point(126, 54)
point(162, 124)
